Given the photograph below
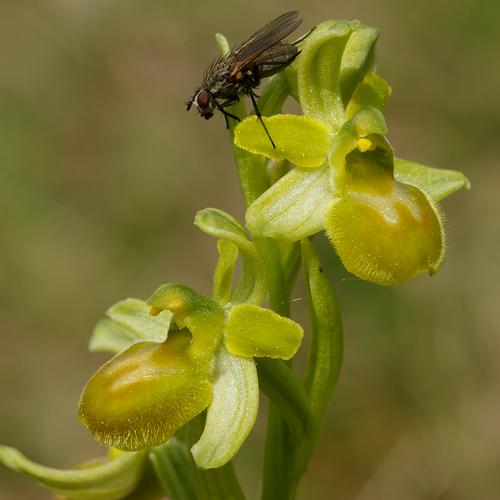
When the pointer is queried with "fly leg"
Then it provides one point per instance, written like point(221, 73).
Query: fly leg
point(229, 102)
point(259, 116)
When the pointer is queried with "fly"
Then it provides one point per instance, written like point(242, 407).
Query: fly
point(242, 68)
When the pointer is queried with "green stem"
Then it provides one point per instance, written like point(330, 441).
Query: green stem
point(210, 484)
point(325, 354)
point(218, 484)
point(172, 465)
point(282, 435)
point(281, 386)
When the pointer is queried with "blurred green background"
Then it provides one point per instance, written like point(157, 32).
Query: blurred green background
point(102, 171)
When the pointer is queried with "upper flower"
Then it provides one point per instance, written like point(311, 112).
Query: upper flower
point(379, 212)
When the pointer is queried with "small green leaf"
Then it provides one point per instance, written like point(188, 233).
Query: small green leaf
point(303, 141)
point(232, 412)
point(437, 183)
point(109, 480)
point(294, 207)
point(318, 74)
point(357, 59)
point(254, 331)
point(252, 285)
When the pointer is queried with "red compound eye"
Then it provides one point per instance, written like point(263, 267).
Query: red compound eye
point(203, 99)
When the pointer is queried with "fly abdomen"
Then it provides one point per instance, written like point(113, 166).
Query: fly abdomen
point(275, 59)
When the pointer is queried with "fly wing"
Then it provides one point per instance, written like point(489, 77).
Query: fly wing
point(272, 33)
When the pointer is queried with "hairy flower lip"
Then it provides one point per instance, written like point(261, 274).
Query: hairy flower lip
point(150, 389)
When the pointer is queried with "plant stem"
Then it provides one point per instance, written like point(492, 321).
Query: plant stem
point(210, 484)
point(325, 353)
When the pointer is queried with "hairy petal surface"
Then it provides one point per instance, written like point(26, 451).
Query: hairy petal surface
point(142, 396)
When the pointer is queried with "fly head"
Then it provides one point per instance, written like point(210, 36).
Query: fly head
point(204, 102)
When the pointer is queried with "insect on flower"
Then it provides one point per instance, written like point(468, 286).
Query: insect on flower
point(242, 68)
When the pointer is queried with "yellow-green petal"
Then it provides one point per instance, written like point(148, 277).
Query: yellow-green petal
point(142, 396)
point(303, 141)
point(108, 479)
point(232, 413)
point(254, 331)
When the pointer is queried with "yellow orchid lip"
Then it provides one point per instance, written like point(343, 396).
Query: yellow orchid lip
point(151, 388)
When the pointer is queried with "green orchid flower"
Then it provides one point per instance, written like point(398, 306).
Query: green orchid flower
point(380, 213)
point(180, 353)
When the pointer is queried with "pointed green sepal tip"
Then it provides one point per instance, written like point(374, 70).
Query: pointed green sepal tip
point(232, 413)
point(437, 183)
point(142, 396)
point(104, 479)
point(301, 140)
point(254, 331)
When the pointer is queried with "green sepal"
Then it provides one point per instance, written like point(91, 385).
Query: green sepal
point(143, 395)
point(294, 207)
point(232, 412)
point(108, 479)
point(130, 321)
point(251, 287)
point(301, 140)
point(437, 183)
point(201, 315)
point(253, 331)
point(358, 58)
point(224, 271)
point(318, 74)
